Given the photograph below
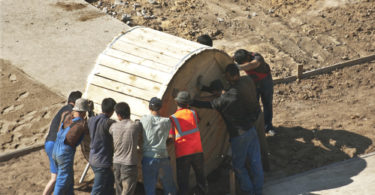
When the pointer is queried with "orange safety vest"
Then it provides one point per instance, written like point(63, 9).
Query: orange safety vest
point(186, 131)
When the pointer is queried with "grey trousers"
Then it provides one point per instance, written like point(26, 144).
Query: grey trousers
point(125, 178)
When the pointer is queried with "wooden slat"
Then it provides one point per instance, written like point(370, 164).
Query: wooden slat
point(130, 79)
point(145, 53)
point(155, 44)
point(137, 106)
point(162, 66)
point(123, 88)
point(133, 68)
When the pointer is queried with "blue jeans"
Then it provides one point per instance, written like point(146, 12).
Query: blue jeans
point(246, 146)
point(48, 146)
point(103, 181)
point(265, 92)
point(65, 174)
point(150, 170)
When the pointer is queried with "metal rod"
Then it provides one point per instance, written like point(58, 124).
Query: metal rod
point(84, 173)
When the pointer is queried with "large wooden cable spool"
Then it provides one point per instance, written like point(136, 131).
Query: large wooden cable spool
point(142, 63)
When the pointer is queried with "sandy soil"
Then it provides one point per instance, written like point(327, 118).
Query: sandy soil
point(26, 109)
point(320, 120)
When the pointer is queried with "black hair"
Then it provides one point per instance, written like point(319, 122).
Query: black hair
point(205, 40)
point(232, 69)
point(108, 105)
point(73, 96)
point(182, 105)
point(241, 56)
point(123, 110)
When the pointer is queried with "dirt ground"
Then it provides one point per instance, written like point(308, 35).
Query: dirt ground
point(320, 120)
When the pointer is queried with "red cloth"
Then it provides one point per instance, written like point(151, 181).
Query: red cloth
point(258, 75)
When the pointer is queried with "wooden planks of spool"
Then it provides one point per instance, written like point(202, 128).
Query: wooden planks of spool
point(142, 63)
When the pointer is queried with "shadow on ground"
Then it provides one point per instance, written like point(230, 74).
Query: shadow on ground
point(295, 150)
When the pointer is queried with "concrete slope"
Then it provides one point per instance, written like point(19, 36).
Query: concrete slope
point(354, 176)
point(55, 42)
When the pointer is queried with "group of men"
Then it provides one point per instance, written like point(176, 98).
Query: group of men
point(113, 146)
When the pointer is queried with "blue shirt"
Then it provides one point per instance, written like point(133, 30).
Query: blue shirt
point(155, 135)
point(101, 145)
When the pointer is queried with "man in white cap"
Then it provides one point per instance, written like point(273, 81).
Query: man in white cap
point(72, 129)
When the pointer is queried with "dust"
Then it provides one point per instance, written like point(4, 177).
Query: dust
point(70, 6)
point(90, 16)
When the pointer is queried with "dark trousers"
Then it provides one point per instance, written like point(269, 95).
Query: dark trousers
point(103, 181)
point(125, 178)
point(183, 169)
point(265, 92)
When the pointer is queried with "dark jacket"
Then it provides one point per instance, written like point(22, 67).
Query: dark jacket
point(101, 144)
point(238, 106)
point(54, 128)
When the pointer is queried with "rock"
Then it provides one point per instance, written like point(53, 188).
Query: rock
point(165, 24)
point(315, 56)
point(12, 77)
point(271, 11)
point(220, 19)
point(153, 2)
point(119, 2)
point(143, 11)
point(345, 57)
point(254, 14)
point(136, 5)
point(105, 10)
point(125, 17)
point(149, 17)
point(100, 3)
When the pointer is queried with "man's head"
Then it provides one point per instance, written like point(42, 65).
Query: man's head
point(155, 104)
point(216, 87)
point(205, 40)
point(242, 56)
point(108, 106)
point(183, 99)
point(73, 96)
point(81, 107)
point(122, 110)
point(232, 73)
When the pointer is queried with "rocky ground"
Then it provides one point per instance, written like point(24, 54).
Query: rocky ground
point(312, 33)
point(320, 120)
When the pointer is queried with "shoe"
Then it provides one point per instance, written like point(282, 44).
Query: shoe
point(271, 132)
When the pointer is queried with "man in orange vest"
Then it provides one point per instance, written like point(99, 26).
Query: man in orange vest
point(188, 145)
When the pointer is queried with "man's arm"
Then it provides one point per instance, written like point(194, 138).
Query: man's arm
point(201, 104)
point(247, 66)
point(140, 133)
